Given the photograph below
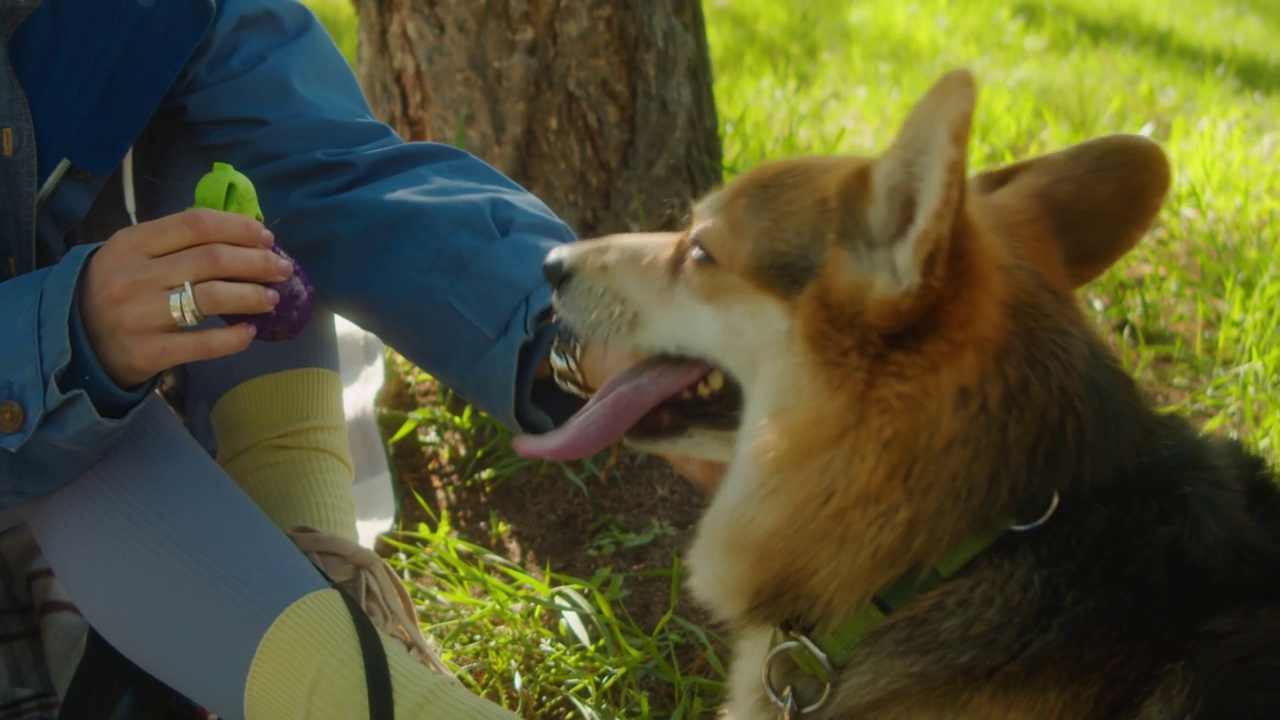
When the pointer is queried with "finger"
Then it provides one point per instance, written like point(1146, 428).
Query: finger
point(173, 349)
point(705, 474)
point(191, 228)
point(217, 261)
point(599, 362)
point(218, 297)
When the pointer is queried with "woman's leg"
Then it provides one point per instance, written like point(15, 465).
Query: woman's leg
point(180, 571)
point(274, 414)
point(170, 561)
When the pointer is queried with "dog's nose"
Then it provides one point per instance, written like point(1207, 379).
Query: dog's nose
point(555, 270)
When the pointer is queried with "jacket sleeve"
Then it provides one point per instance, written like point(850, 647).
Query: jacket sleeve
point(423, 244)
point(57, 421)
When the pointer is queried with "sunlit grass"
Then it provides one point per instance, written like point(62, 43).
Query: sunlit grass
point(339, 18)
point(547, 645)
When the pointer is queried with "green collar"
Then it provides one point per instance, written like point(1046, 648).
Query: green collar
point(838, 644)
point(822, 654)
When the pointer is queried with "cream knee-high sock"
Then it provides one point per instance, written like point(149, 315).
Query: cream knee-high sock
point(308, 667)
point(283, 438)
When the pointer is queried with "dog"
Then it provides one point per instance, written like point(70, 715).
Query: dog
point(945, 497)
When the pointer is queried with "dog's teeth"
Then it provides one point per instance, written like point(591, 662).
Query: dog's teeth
point(687, 394)
point(714, 380)
point(710, 385)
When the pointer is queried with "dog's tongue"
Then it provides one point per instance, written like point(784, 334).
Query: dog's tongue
point(613, 410)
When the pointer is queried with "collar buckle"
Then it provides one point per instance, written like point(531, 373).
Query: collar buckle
point(808, 658)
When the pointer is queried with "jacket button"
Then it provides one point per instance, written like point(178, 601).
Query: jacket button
point(11, 417)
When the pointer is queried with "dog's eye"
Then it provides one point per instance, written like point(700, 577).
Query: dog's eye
point(699, 255)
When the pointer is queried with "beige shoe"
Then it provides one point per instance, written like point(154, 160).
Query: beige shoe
point(375, 586)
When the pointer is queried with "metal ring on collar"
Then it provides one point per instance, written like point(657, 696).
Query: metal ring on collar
point(786, 700)
point(1053, 507)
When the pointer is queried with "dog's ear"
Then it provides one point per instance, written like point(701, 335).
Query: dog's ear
point(1079, 210)
point(899, 211)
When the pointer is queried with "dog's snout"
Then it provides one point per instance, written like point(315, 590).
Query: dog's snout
point(554, 269)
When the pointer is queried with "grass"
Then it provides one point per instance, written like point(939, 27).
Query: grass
point(550, 645)
point(545, 644)
point(339, 18)
point(1193, 311)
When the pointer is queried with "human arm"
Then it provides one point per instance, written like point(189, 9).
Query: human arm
point(423, 244)
point(91, 332)
point(52, 431)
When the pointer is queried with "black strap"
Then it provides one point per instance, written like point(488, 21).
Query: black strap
point(377, 673)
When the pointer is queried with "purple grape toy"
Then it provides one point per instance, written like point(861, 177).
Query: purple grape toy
point(225, 188)
point(291, 314)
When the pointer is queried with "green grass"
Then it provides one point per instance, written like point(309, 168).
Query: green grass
point(1194, 311)
point(339, 18)
point(549, 645)
point(544, 644)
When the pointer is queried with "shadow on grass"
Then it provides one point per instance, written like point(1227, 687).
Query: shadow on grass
point(1254, 72)
point(541, 515)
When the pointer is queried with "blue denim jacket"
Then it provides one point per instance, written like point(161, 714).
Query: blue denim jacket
point(420, 243)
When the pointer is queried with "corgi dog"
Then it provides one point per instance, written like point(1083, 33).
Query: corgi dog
point(945, 497)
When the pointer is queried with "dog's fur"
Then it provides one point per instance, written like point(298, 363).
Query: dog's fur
point(915, 366)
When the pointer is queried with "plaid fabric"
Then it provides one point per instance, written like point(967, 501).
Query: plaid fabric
point(42, 635)
point(41, 631)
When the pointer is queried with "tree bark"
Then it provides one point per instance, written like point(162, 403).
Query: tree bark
point(601, 108)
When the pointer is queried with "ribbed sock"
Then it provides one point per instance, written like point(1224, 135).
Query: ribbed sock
point(283, 438)
point(308, 666)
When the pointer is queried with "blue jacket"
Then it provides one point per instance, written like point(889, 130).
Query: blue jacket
point(420, 243)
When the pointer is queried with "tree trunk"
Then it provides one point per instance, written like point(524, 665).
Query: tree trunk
point(601, 108)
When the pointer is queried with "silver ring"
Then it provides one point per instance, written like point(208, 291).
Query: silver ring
point(566, 363)
point(175, 307)
point(182, 307)
point(189, 307)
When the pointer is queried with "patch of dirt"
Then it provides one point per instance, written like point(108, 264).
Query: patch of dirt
point(541, 518)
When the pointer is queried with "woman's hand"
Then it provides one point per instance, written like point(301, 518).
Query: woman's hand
point(124, 291)
point(705, 474)
point(599, 363)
